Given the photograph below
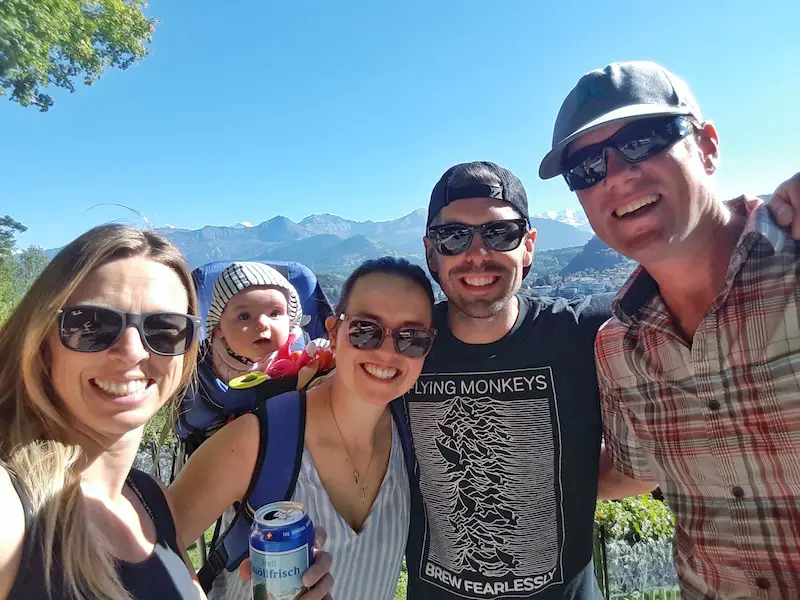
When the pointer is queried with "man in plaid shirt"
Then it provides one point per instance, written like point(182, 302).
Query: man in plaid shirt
point(699, 368)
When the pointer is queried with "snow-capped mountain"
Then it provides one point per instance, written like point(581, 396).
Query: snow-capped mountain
point(575, 218)
point(168, 229)
point(243, 225)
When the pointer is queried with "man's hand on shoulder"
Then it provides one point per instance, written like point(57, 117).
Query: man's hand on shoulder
point(785, 205)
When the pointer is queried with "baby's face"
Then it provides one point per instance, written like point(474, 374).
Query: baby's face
point(255, 322)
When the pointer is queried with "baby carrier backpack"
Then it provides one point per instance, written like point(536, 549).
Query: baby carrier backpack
point(210, 403)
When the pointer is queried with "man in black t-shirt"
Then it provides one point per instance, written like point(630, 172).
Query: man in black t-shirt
point(505, 418)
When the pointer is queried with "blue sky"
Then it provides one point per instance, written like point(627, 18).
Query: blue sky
point(250, 109)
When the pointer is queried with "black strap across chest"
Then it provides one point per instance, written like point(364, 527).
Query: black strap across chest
point(155, 503)
point(30, 581)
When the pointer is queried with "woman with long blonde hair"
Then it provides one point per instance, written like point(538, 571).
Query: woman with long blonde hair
point(103, 339)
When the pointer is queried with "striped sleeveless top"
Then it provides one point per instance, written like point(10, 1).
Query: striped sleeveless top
point(366, 565)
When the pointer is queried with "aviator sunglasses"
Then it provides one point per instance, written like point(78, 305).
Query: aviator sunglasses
point(367, 334)
point(456, 238)
point(635, 142)
point(86, 328)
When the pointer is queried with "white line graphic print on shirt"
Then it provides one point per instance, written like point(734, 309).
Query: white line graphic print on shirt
point(489, 453)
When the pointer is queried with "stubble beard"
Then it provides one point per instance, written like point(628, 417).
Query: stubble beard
point(482, 308)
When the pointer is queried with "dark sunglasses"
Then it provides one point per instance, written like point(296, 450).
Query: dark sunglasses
point(635, 142)
point(456, 238)
point(368, 334)
point(86, 328)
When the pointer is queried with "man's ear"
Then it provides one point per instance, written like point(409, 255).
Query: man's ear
point(217, 333)
point(430, 254)
point(708, 143)
point(530, 240)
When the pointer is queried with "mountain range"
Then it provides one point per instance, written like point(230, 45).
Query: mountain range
point(595, 256)
point(575, 218)
point(332, 244)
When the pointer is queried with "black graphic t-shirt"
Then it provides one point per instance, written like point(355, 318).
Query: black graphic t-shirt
point(507, 441)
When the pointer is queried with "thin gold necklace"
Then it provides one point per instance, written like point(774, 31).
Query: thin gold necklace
point(350, 460)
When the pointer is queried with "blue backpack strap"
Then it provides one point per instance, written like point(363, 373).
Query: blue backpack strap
point(280, 452)
point(209, 402)
point(398, 409)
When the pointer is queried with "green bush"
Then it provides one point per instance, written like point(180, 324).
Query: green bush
point(402, 584)
point(635, 519)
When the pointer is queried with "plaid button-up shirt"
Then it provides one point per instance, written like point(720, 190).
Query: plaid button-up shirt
point(717, 422)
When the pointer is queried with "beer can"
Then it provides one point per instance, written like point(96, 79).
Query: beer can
point(281, 550)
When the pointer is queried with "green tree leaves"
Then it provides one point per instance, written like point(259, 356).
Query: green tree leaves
point(8, 296)
point(17, 272)
point(9, 228)
point(29, 265)
point(56, 42)
point(634, 519)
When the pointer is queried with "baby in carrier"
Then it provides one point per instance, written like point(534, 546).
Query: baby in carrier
point(253, 320)
point(254, 310)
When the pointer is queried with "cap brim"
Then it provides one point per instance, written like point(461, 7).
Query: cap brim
point(551, 165)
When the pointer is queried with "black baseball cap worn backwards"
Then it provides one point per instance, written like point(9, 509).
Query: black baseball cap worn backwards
point(478, 179)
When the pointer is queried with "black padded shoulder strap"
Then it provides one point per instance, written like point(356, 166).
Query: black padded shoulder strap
point(155, 503)
point(23, 498)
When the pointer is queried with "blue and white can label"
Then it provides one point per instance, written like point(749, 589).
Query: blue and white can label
point(281, 550)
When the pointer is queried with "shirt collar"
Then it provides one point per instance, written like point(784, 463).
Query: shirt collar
point(641, 287)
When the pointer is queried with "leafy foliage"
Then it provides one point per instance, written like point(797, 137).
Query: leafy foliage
point(641, 571)
point(8, 296)
point(17, 273)
point(159, 442)
point(9, 228)
point(635, 519)
point(402, 583)
point(156, 425)
point(30, 264)
point(55, 42)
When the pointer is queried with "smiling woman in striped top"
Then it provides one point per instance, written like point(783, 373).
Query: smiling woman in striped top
point(353, 479)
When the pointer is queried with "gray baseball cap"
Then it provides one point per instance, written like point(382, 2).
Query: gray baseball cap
point(620, 92)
